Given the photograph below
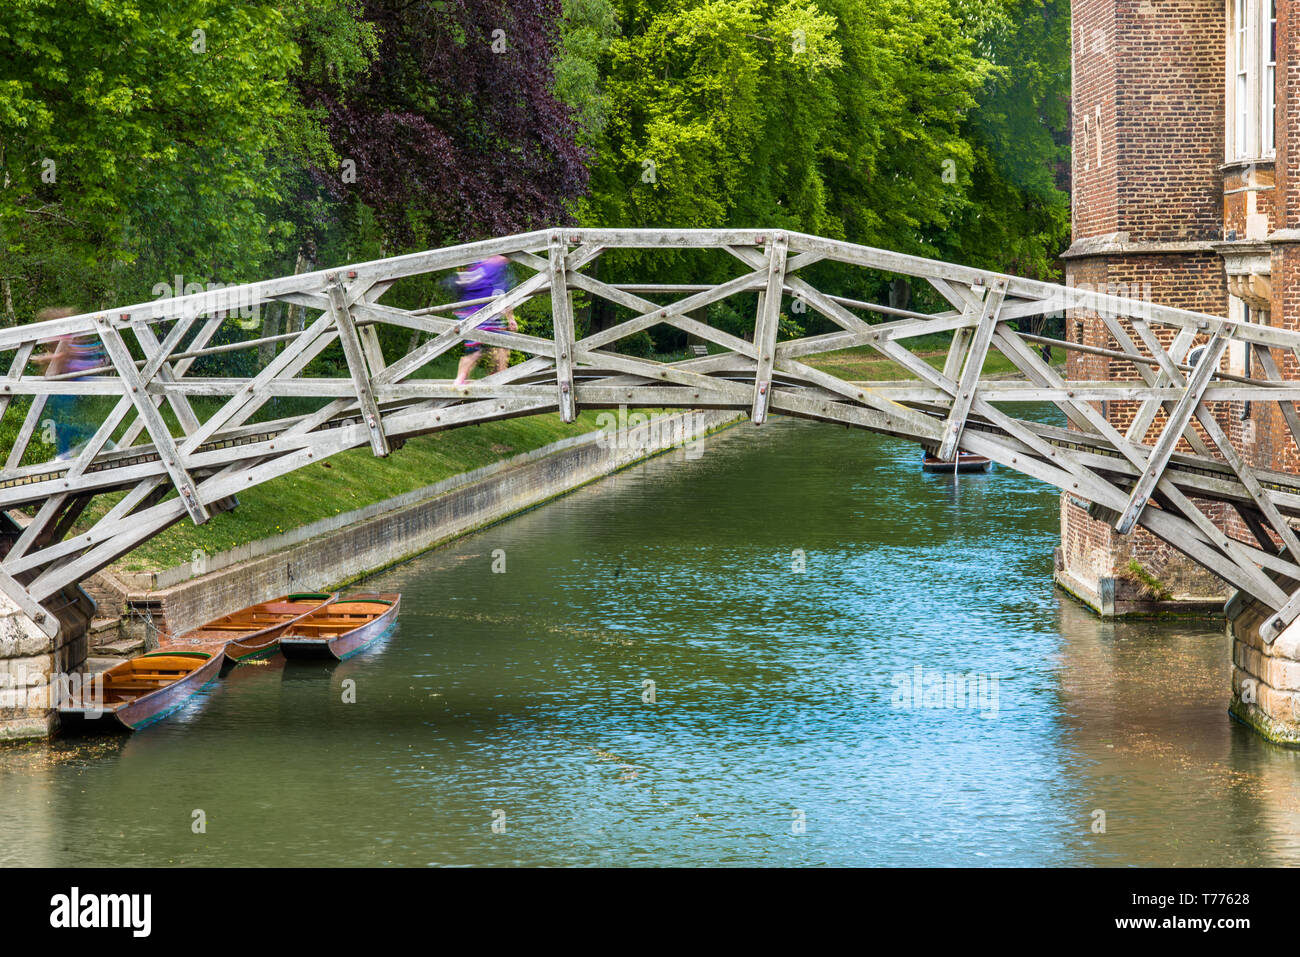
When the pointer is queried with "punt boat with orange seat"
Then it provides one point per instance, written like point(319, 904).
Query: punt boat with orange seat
point(252, 632)
point(342, 628)
point(139, 691)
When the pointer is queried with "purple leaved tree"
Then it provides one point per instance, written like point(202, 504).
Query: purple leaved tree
point(454, 133)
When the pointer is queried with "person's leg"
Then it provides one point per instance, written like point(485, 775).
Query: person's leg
point(467, 363)
point(500, 359)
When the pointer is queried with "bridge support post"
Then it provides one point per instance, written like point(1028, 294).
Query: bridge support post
point(31, 661)
point(1265, 675)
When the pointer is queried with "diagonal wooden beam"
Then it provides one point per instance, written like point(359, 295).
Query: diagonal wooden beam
point(310, 343)
point(21, 357)
point(765, 327)
point(21, 597)
point(1266, 362)
point(158, 431)
point(1177, 351)
point(179, 368)
point(642, 305)
point(970, 376)
point(157, 366)
point(25, 432)
point(1229, 551)
point(450, 334)
point(1145, 372)
point(1173, 431)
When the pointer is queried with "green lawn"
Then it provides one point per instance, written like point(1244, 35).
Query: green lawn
point(347, 481)
point(864, 364)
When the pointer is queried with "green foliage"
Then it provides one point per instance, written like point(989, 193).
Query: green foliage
point(1018, 219)
point(935, 127)
point(695, 135)
point(588, 29)
point(144, 139)
point(148, 138)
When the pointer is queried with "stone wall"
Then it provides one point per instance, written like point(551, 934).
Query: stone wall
point(1265, 678)
point(29, 658)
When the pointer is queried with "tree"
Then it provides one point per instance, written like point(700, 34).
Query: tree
point(1019, 216)
point(705, 100)
point(455, 130)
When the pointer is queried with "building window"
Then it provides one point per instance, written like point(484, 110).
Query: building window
point(1252, 65)
point(1270, 75)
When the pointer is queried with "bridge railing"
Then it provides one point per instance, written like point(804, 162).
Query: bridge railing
point(180, 434)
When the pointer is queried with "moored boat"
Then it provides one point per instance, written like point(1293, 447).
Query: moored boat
point(341, 628)
point(252, 632)
point(965, 462)
point(139, 691)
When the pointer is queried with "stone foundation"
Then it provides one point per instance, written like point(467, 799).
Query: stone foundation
point(1265, 678)
point(1136, 574)
point(29, 658)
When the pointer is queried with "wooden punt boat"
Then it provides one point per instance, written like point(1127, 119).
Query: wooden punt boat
point(342, 628)
point(966, 462)
point(140, 691)
point(252, 632)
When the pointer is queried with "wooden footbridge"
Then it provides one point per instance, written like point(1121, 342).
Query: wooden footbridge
point(1162, 473)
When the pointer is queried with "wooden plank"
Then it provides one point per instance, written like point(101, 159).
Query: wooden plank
point(765, 327)
point(1288, 408)
point(562, 323)
point(1244, 564)
point(28, 605)
point(645, 306)
point(1246, 475)
point(1149, 375)
point(25, 432)
point(1177, 352)
point(310, 343)
point(1173, 431)
point(361, 380)
point(449, 334)
point(970, 376)
point(157, 428)
point(22, 356)
point(157, 365)
point(180, 365)
point(1271, 628)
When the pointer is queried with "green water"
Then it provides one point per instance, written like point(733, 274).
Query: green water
point(778, 735)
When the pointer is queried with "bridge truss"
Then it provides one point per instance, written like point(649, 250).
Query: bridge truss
point(1166, 472)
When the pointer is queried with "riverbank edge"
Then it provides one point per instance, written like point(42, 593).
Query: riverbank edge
point(344, 549)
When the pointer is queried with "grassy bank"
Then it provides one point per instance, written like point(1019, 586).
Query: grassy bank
point(348, 481)
point(864, 364)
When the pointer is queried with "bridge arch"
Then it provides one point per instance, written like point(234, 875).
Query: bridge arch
point(1158, 474)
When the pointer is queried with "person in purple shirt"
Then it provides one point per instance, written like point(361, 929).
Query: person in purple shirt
point(484, 280)
point(72, 425)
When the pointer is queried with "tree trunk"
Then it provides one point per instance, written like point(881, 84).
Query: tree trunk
point(296, 312)
point(8, 317)
point(270, 327)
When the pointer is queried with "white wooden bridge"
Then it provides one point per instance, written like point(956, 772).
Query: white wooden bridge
point(1160, 473)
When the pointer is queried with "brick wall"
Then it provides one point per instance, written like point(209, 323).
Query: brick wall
point(1149, 78)
point(1169, 90)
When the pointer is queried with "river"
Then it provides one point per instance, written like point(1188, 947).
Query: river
point(709, 659)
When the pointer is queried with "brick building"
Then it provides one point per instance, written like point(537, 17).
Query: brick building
point(1183, 112)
